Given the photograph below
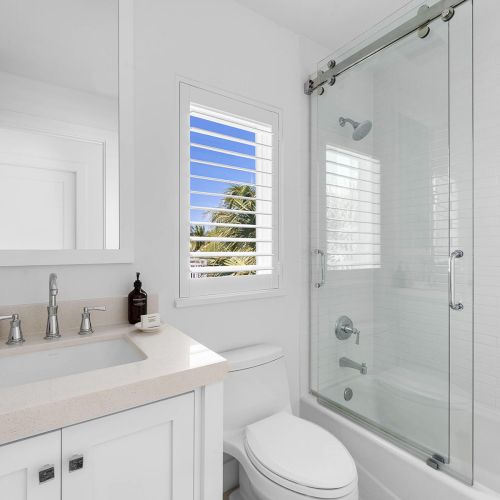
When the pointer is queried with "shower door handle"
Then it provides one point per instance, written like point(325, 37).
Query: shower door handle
point(455, 306)
point(323, 267)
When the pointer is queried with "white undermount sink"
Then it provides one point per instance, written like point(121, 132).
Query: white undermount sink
point(24, 368)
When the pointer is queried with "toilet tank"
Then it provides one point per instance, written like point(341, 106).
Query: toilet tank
point(256, 385)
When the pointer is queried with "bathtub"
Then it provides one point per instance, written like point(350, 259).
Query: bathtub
point(387, 472)
point(487, 447)
point(410, 403)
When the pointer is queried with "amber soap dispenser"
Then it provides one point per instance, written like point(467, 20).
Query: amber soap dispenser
point(137, 302)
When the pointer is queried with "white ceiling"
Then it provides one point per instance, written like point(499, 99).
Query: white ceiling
point(330, 23)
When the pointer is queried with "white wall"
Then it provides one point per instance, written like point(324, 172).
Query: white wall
point(223, 45)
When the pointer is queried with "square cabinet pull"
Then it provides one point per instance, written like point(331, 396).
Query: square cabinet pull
point(46, 473)
point(76, 463)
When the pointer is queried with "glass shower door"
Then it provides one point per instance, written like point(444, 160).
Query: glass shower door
point(391, 203)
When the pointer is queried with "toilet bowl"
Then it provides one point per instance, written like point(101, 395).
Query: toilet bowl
point(280, 456)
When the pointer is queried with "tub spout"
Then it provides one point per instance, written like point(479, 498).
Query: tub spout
point(349, 363)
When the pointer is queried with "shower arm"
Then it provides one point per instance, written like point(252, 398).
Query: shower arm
point(343, 121)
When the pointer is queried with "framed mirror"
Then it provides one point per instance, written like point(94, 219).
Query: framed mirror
point(66, 132)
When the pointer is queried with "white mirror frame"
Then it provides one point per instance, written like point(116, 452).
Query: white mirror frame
point(125, 254)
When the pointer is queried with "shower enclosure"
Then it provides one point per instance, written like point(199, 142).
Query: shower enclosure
point(392, 233)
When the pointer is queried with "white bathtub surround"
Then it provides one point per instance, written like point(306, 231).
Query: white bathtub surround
point(174, 364)
point(487, 241)
point(385, 471)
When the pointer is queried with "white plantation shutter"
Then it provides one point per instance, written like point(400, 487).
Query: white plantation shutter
point(352, 210)
point(229, 159)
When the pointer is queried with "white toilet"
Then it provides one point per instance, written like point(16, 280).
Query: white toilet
point(281, 457)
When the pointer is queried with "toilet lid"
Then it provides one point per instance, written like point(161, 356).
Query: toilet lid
point(301, 452)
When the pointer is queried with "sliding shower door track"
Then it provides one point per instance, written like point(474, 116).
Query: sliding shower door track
point(443, 9)
point(427, 455)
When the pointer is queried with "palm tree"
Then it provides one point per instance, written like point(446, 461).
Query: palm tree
point(242, 198)
point(238, 197)
point(200, 231)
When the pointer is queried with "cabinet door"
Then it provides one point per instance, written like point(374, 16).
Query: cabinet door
point(30, 469)
point(146, 452)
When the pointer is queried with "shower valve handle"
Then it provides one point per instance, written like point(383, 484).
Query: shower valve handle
point(344, 328)
point(352, 331)
point(356, 332)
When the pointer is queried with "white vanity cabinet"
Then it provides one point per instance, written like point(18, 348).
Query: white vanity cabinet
point(167, 450)
point(30, 469)
point(146, 452)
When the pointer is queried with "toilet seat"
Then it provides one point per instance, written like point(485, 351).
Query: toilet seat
point(300, 456)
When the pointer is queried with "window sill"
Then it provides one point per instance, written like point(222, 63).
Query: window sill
point(233, 297)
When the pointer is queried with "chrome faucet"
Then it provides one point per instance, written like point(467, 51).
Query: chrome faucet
point(52, 331)
point(15, 332)
point(349, 363)
point(86, 324)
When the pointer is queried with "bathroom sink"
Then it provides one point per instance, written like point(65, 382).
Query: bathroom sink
point(24, 368)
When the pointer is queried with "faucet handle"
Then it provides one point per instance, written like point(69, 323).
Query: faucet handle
point(94, 308)
point(344, 328)
point(86, 324)
point(356, 332)
point(15, 332)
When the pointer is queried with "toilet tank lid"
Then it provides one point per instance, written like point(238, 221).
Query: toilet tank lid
point(251, 356)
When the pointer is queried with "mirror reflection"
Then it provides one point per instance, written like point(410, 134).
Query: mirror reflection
point(59, 162)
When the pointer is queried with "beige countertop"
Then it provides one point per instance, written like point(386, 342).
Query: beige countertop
point(174, 364)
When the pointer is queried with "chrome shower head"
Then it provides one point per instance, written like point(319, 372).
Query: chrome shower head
point(361, 130)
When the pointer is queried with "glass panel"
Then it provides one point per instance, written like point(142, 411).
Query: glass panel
point(392, 178)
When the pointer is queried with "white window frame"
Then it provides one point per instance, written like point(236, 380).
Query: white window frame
point(192, 288)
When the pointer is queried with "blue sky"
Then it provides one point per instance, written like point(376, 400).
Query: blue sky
point(199, 156)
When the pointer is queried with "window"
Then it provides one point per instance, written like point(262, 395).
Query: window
point(352, 210)
point(229, 195)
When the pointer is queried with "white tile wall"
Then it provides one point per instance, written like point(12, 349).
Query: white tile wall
point(487, 239)
point(411, 143)
point(487, 203)
point(345, 292)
